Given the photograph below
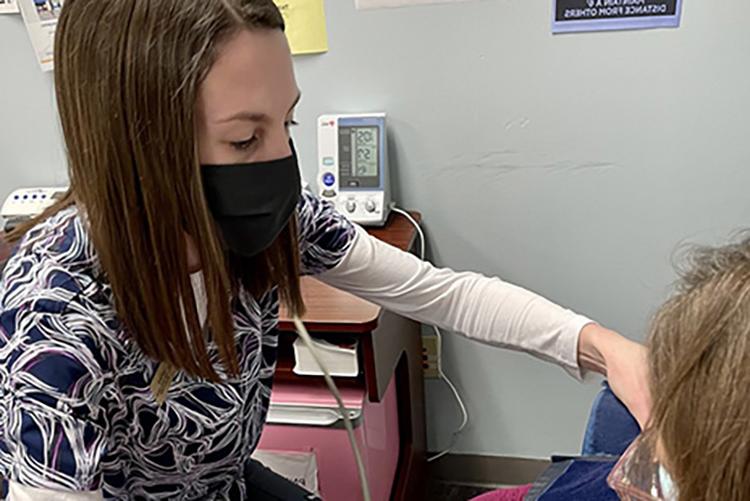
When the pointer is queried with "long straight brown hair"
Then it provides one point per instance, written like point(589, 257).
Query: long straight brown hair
point(127, 74)
point(700, 377)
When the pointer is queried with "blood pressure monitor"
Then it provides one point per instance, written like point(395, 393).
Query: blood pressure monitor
point(353, 166)
point(26, 203)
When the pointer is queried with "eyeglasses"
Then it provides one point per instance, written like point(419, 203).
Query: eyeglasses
point(636, 476)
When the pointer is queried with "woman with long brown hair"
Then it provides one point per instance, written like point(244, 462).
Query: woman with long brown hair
point(138, 315)
point(697, 444)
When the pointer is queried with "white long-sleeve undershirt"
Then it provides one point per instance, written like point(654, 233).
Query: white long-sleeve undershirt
point(485, 309)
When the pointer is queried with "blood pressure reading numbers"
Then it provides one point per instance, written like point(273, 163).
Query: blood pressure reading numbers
point(365, 148)
point(359, 156)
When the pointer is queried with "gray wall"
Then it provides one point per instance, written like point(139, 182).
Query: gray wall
point(30, 145)
point(573, 165)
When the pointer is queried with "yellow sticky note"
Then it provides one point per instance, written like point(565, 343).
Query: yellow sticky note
point(305, 25)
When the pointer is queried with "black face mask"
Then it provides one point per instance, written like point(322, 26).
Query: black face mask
point(252, 203)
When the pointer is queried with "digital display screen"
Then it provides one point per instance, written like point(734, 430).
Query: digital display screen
point(359, 156)
point(365, 148)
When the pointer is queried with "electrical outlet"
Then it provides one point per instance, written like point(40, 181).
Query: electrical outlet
point(430, 357)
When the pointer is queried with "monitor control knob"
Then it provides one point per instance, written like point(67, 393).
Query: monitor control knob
point(351, 205)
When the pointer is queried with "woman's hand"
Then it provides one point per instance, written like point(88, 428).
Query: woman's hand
point(623, 362)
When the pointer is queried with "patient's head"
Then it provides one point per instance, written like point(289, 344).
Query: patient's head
point(700, 376)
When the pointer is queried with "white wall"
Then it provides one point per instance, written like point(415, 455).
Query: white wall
point(573, 165)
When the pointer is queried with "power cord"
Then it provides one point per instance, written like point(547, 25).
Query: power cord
point(302, 331)
point(439, 335)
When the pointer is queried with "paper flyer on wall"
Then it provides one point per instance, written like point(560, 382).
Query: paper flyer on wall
point(389, 4)
point(8, 7)
point(606, 15)
point(40, 17)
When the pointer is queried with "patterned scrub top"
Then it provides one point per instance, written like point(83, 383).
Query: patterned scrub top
point(76, 408)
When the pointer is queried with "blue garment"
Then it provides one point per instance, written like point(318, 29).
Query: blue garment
point(611, 427)
point(582, 480)
point(76, 409)
point(610, 430)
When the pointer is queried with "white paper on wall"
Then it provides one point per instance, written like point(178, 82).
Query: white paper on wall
point(8, 7)
point(40, 17)
point(387, 4)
